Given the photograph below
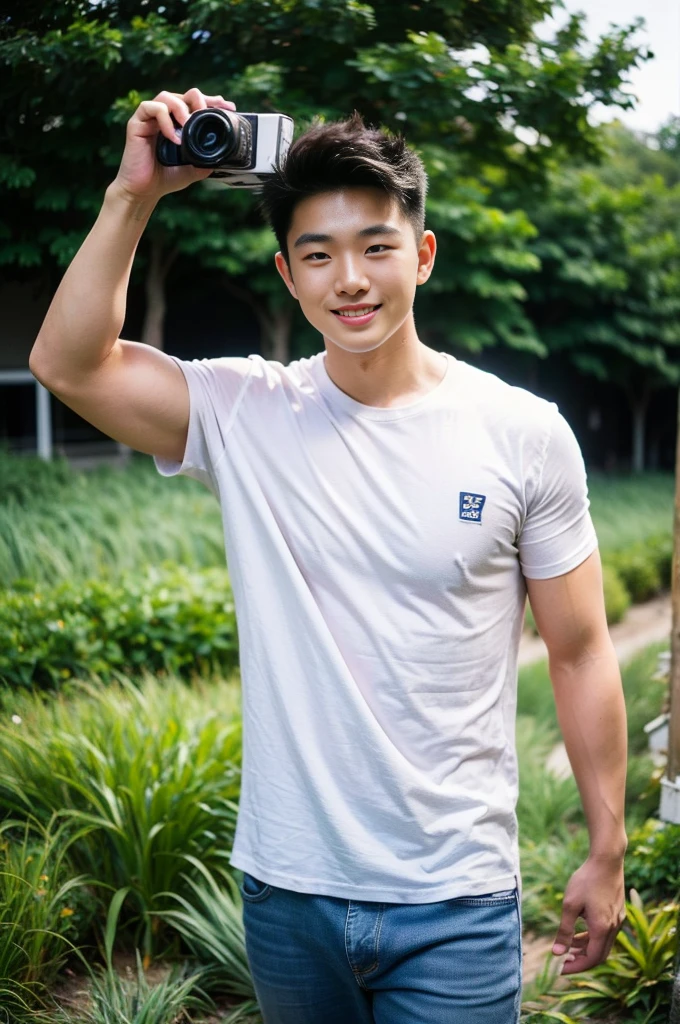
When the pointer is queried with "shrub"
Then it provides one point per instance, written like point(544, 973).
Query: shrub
point(653, 860)
point(616, 597)
point(169, 619)
point(144, 774)
point(638, 570)
point(660, 548)
point(118, 1000)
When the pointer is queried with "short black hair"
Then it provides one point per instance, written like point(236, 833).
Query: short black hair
point(344, 154)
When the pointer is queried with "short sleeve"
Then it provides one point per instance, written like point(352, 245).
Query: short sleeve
point(216, 389)
point(558, 532)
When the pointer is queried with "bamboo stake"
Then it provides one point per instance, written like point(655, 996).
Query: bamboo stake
point(674, 725)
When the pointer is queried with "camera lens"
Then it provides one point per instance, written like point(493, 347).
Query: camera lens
point(209, 137)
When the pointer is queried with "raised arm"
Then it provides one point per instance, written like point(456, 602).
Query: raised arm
point(570, 616)
point(132, 392)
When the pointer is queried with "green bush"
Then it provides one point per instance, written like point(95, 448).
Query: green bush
point(146, 774)
point(638, 571)
point(653, 860)
point(616, 597)
point(546, 803)
point(660, 547)
point(167, 619)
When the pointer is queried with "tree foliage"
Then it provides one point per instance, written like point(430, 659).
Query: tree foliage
point(608, 292)
point(491, 106)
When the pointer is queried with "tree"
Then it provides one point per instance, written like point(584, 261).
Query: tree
point(459, 78)
point(608, 293)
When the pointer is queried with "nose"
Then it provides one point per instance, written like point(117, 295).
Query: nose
point(350, 276)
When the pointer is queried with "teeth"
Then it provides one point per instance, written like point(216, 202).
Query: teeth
point(356, 312)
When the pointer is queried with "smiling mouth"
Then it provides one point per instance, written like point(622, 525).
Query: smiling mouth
point(350, 314)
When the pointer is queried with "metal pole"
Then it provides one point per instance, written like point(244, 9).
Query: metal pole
point(43, 415)
point(674, 725)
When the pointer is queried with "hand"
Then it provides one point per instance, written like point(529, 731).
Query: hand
point(596, 893)
point(140, 175)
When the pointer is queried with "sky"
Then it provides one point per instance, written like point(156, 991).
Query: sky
point(655, 82)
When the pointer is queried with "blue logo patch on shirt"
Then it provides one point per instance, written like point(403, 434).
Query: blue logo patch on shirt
point(471, 506)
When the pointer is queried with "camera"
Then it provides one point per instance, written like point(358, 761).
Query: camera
point(243, 149)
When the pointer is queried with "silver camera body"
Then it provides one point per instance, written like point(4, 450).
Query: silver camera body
point(242, 149)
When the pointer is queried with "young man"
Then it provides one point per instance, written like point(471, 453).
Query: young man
point(386, 507)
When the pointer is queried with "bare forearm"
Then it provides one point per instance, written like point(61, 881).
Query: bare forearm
point(87, 313)
point(592, 717)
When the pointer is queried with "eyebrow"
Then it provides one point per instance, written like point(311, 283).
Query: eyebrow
point(374, 229)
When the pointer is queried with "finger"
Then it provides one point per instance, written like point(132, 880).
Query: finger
point(596, 953)
point(150, 110)
point(565, 933)
point(176, 105)
point(195, 99)
point(219, 101)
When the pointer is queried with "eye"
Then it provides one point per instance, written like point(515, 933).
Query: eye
point(378, 245)
point(315, 256)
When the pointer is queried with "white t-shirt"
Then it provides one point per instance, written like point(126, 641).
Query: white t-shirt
point(377, 557)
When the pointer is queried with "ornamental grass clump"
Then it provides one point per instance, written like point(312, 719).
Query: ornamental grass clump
point(143, 774)
point(211, 924)
point(39, 897)
point(115, 999)
point(58, 523)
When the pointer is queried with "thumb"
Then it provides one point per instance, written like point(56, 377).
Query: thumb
point(565, 933)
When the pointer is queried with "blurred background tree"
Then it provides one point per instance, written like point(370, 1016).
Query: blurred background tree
point(491, 107)
point(608, 292)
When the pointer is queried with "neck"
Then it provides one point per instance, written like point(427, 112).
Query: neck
point(396, 373)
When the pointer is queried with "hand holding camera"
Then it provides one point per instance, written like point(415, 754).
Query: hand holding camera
point(140, 174)
point(174, 140)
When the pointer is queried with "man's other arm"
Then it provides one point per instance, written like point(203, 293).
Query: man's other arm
point(570, 616)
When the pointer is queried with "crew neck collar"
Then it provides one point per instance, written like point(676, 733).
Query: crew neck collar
point(431, 398)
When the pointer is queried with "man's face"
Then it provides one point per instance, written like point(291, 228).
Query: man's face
point(354, 252)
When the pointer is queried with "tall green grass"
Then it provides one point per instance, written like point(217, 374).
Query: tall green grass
point(58, 523)
point(150, 771)
point(630, 508)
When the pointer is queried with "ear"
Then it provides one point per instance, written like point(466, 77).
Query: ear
point(284, 271)
point(426, 253)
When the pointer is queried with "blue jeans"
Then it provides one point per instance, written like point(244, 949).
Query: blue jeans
point(324, 960)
